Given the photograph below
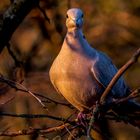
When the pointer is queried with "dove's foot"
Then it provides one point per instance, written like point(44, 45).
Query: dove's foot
point(82, 119)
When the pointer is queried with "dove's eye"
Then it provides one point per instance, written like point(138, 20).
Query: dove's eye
point(66, 16)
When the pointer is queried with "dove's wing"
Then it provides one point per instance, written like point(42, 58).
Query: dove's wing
point(104, 70)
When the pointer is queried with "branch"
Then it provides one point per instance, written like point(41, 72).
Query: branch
point(92, 121)
point(34, 116)
point(17, 62)
point(32, 131)
point(53, 101)
point(120, 72)
point(13, 17)
point(128, 118)
point(22, 88)
point(44, 13)
point(7, 101)
point(133, 95)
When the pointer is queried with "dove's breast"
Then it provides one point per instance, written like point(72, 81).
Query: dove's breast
point(71, 76)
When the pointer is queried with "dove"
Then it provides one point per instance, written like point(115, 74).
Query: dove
point(81, 73)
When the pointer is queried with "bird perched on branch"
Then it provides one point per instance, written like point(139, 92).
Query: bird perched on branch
point(81, 73)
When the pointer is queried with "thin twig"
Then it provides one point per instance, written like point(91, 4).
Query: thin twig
point(69, 132)
point(17, 62)
point(33, 116)
point(120, 72)
point(133, 95)
point(7, 101)
point(22, 88)
point(32, 131)
point(53, 101)
point(92, 121)
point(72, 128)
point(44, 13)
point(125, 118)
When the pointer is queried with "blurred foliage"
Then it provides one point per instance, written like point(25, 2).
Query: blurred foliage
point(112, 26)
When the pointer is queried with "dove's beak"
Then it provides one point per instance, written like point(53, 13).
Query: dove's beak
point(76, 22)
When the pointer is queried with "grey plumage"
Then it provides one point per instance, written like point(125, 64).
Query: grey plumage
point(81, 73)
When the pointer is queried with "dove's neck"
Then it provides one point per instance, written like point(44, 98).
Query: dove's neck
point(75, 33)
point(75, 41)
point(75, 38)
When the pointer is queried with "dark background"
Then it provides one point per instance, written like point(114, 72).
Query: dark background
point(112, 26)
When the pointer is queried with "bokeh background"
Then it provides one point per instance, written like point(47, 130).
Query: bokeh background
point(112, 26)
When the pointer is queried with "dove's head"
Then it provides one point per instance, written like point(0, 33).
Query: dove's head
point(74, 18)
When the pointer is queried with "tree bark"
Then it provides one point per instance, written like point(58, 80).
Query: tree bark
point(13, 16)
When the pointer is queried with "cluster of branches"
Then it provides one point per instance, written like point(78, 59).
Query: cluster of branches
point(72, 125)
point(14, 16)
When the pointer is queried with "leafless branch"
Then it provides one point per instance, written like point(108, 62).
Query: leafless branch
point(7, 101)
point(32, 131)
point(96, 110)
point(44, 13)
point(134, 94)
point(22, 88)
point(102, 103)
point(17, 85)
point(120, 72)
point(53, 101)
point(92, 121)
point(13, 16)
point(17, 62)
point(34, 116)
point(127, 118)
